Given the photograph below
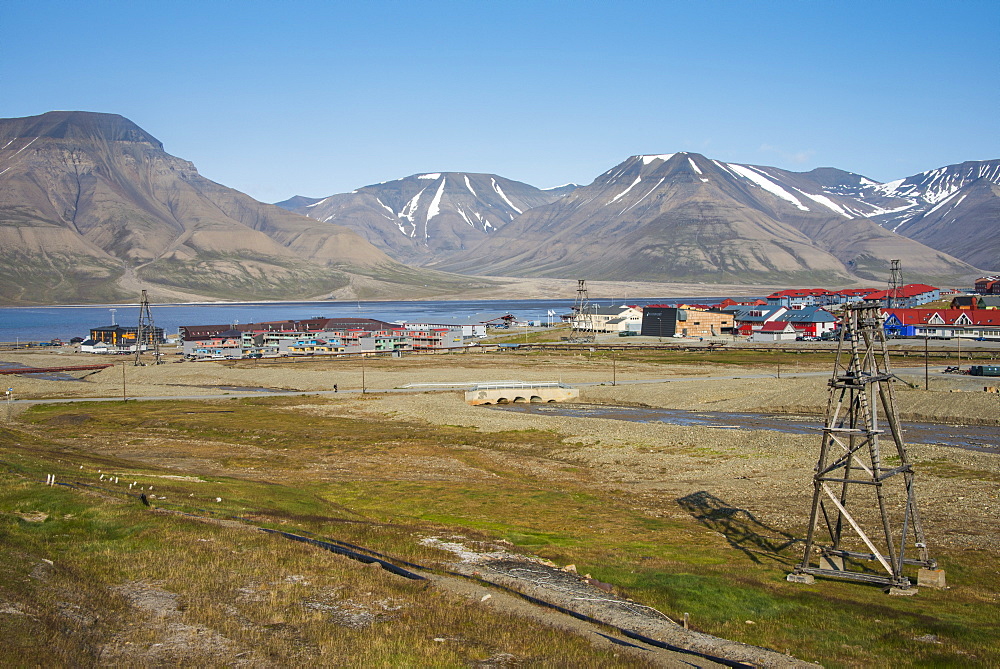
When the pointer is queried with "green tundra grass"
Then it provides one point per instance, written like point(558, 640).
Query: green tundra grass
point(263, 599)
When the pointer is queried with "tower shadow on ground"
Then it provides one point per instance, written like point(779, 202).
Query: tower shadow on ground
point(740, 528)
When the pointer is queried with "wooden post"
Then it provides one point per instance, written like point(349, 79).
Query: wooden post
point(926, 372)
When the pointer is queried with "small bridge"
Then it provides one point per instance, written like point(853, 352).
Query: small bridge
point(515, 392)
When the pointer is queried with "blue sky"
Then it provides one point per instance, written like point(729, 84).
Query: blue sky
point(313, 98)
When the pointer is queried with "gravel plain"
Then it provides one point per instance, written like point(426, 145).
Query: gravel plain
point(765, 476)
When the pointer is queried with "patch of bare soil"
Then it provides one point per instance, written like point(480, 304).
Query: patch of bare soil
point(174, 641)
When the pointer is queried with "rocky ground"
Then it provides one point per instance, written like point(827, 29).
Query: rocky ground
point(764, 473)
point(761, 479)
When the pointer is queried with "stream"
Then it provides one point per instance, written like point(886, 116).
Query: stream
point(984, 438)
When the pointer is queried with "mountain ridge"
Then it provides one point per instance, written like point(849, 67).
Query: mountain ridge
point(422, 217)
point(685, 216)
point(91, 206)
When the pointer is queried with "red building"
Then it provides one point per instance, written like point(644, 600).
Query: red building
point(988, 285)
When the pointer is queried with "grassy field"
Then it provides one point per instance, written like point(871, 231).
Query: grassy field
point(100, 578)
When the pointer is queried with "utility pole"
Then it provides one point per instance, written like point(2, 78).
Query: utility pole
point(926, 366)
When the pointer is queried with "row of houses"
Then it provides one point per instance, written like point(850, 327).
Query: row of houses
point(910, 295)
point(943, 323)
point(979, 318)
point(757, 320)
point(332, 335)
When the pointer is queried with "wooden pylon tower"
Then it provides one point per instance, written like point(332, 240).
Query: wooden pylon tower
point(583, 316)
point(146, 333)
point(864, 498)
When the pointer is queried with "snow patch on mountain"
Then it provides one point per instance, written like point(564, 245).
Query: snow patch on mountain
point(432, 175)
point(763, 182)
point(622, 194)
point(410, 210)
point(469, 186)
point(658, 184)
point(693, 166)
point(646, 160)
point(826, 202)
point(500, 192)
point(435, 207)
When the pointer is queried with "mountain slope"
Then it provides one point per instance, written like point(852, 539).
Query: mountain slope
point(428, 216)
point(954, 208)
point(91, 207)
point(684, 217)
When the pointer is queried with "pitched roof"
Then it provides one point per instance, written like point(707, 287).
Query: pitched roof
point(800, 292)
point(808, 315)
point(777, 326)
point(949, 316)
point(746, 314)
point(909, 290)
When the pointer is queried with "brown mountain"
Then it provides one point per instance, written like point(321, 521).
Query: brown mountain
point(92, 209)
point(684, 217)
point(425, 217)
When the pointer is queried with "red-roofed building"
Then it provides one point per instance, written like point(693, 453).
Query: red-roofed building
point(988, 285)
point(945, 323)
point(800, 297)
point(847, 295)
point(775, 331)
point(730, 302)
point(906, 297)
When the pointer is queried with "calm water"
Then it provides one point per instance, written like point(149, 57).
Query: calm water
point(972, 437)
point(45, 323)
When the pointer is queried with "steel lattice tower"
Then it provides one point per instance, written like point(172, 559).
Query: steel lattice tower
point(862, 498)
point(146, 331)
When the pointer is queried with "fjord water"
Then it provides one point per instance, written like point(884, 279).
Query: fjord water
point(65, 322)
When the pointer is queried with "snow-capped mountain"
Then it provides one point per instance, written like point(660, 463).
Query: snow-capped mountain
point(683, 216)
point(425, 216)
point(954, 208)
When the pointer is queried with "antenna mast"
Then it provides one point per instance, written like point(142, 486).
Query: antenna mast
point(853, 487)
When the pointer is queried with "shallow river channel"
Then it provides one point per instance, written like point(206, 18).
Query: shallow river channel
point(974, 437)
